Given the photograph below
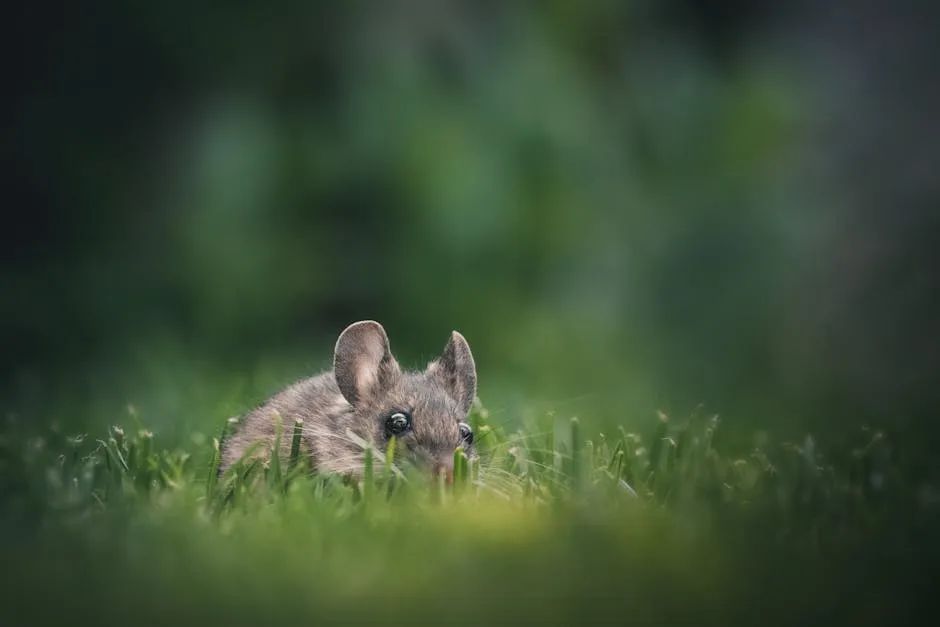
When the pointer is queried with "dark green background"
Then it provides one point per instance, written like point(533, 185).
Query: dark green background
point(625, 206)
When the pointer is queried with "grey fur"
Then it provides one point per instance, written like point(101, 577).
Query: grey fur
point(364, 388)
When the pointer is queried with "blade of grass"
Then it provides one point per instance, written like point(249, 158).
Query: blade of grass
point(295, 443)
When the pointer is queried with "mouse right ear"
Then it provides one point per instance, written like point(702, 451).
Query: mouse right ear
point(456, 371)
point(362, 362)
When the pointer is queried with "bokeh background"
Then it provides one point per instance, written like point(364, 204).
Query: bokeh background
point(625, 206)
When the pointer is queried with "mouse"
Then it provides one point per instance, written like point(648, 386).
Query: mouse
point(365, 401)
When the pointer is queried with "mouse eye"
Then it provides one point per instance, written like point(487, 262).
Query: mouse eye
point(466, 433)
point(397, 423)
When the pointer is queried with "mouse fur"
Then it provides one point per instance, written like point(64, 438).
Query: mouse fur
point(359, 396)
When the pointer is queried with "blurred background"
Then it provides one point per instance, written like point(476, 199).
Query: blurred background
point(625, 206)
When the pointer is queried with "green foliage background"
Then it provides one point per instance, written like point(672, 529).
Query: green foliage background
point(626, 207)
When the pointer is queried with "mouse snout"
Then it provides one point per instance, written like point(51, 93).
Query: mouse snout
point(444, 467)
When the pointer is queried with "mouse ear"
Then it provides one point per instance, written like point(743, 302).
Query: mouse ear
point(455, 370)
point(362, 362)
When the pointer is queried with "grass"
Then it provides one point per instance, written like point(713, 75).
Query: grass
point(550, 525)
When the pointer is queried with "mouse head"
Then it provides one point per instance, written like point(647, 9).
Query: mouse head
point(426, 411)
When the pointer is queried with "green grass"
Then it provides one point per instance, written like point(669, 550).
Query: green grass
point(550, 525)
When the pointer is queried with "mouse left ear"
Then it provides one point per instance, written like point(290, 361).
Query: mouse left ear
point(362, 362)
point(456, 371)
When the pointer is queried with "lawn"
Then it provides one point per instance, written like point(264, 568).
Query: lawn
point(550, 525)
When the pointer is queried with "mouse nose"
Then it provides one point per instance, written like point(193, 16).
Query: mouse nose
point(445, 467)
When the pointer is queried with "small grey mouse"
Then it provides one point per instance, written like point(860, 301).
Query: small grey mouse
point(368, 398)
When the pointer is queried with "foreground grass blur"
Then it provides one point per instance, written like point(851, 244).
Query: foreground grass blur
point(549, 525)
